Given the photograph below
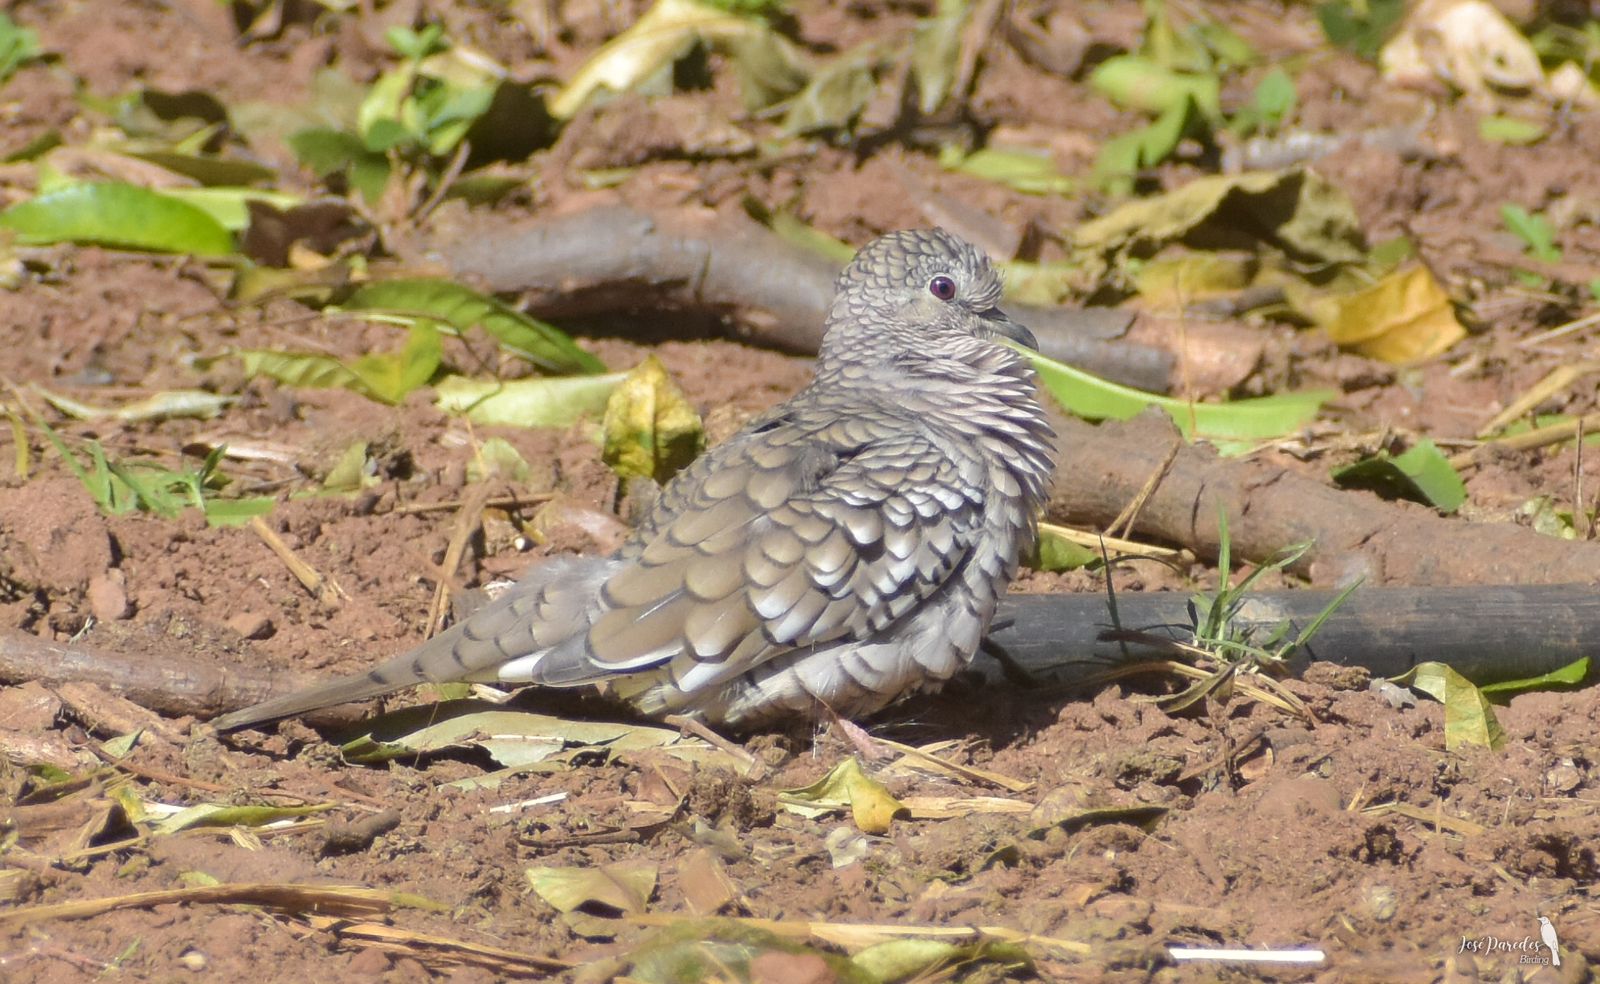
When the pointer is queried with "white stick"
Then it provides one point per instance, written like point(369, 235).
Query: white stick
point(1248, 956)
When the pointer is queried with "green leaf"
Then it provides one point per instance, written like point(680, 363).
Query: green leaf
point(836, 94)
point(205, 168)
point(1272, 103)
point(1422, 474)
point(122, 744)
point(557, 402)
point(349, 472)
point(118, 215)
point(386, 376)
point(1571, 675)
point(1054, 552)
point(328, 152)
point(1136, 82)
point(462, 308)
point(18, 46)
point(382, 121)
point(325, 151)
point(496, 458)
point(650, 429)
point(1361, 26)
point(914, 959)
point(1468, 718)
point(416, 45)
point(1125, 155)
point(237, 512)
point(1257, 419)
point(1229, 49)
point(935, 49)
point(1534, 230)
point(217, 815)
point(448, 113)
point(1510, 130)
point(230, 207)
point(1031, 172)
point(310, 370)
point(1294, 210)
point(390, 376)
point(769, 66)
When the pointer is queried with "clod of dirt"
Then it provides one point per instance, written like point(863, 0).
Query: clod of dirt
point(1336, 676)
point(351, 838)
point(51, 537)
point(720, 797)
point(1144, 765)
point(108, 596)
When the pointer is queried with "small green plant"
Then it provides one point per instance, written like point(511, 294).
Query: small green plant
point(119, 487)
point(1537, 234)
point(415, 115)
point(1274, 99)
point(1360, 26)
point(1222, 654)
point(1214, 615)
point(1177, 77)
point(18, 46)
point(130, 485)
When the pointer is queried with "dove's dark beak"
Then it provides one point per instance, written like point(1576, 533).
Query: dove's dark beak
point(999, 323)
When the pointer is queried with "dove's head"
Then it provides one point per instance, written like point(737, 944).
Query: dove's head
point(921, 290)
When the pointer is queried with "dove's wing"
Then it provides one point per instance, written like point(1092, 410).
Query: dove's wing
point(805, 531)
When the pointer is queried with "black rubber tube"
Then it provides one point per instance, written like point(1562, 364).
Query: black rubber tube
point(1485, 633)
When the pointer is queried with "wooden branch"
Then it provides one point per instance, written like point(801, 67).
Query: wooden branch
point(167, 682)
point(615, 259)
point(1353, 534)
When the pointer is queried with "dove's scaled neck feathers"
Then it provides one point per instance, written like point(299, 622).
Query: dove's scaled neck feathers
point(844, 549)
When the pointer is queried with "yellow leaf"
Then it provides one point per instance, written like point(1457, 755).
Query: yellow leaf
point(1172, 284)
point(871, 805)
point(658, 38)
point(625, 886)
point(1468, 717)
point(1404, 317)
point(651, 430)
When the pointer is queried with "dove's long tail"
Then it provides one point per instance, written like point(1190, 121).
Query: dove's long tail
point(550, 604)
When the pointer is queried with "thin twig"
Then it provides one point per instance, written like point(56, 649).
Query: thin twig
point(1539, 437)
point(450, 505)
point(325, 589)
point(467, 523)
point(1123, 524)
point(754, 766)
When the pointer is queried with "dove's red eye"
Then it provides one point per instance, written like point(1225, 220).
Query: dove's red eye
point(943, 288)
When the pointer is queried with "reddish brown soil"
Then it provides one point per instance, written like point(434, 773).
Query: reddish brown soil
point(1268, 841)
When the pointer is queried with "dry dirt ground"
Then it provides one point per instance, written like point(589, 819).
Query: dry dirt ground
point(1267, 840)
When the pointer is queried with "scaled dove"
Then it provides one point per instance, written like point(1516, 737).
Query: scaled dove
point(845, 549)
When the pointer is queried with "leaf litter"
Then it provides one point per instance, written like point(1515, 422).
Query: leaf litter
point(1070, 736)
